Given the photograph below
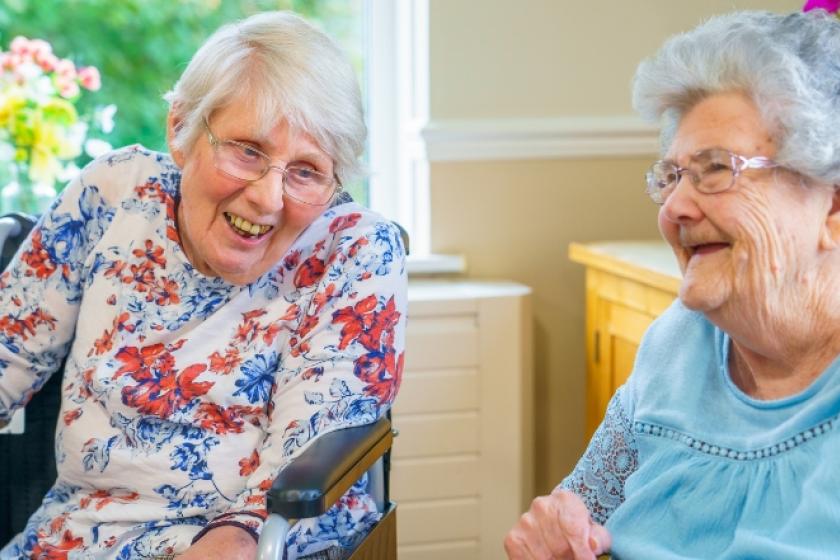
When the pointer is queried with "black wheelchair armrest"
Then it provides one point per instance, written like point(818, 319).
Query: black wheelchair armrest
point(319, 476)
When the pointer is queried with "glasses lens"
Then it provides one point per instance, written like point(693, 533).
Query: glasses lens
point(715, 169)
point(240, 161)
point(661, 179)
point(309, 186)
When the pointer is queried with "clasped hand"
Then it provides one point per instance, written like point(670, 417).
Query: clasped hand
point(557, 526)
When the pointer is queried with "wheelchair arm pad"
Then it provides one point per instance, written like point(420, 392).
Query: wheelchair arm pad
point(313, 481)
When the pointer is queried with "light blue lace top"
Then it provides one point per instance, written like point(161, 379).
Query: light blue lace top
point(686, 465)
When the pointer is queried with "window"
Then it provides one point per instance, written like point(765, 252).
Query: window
point(141, 47)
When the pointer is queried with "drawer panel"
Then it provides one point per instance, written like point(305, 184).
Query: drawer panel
point(442, 520)
point(424, 391)
point(436, 434)
point(435, 478)
point(441, 342)
point(459, 550)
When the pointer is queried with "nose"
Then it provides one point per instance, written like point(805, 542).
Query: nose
point(681, 205)
point(266, 194)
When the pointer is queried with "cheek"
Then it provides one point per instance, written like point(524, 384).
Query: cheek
point(669, 230)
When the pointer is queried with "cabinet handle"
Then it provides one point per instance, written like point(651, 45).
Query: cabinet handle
point(597, 347)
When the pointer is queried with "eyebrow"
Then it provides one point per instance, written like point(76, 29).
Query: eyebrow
point(321, 160)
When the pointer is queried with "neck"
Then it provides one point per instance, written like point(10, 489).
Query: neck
point(782, 364)
point(779, 350)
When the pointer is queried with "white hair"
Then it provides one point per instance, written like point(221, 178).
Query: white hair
point(789, 65)
point(284, 68)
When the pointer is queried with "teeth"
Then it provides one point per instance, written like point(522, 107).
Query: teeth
point(245, 226)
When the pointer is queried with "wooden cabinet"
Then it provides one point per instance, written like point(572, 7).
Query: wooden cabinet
point(628, 284)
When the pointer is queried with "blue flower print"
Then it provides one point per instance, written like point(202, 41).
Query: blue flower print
point(259, 378)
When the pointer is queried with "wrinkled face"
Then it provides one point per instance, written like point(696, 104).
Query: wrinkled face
point(754, 247)
point(215, 209)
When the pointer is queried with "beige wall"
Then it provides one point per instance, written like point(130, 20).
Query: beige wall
point(495, 59)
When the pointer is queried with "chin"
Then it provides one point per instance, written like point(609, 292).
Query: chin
point(702, 298)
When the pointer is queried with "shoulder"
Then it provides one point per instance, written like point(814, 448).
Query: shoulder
point(677, 349)
point(118, 173)
point(351, 230)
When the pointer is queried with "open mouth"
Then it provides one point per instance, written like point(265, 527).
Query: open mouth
point(244, 228)
point(707, 248)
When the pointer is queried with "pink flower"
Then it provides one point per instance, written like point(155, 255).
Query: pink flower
point(827, 5)
point(39, 47)
point(20, 45)
point(67, 88)
point(47, 61)
point(66, 69)
point(89, 78)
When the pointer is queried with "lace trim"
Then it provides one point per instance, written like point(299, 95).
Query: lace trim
point(804, 436)
point(606, 465)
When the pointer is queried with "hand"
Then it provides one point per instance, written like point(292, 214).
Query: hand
point(557, 526)
point(222, 543)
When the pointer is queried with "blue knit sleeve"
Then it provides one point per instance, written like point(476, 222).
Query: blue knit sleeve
point(609, 460)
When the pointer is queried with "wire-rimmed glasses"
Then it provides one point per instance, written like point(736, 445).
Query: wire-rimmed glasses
point(711, 171)
point(244, 162)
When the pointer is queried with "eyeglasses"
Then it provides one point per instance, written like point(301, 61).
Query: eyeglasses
point(711, 172)
point(246, 163)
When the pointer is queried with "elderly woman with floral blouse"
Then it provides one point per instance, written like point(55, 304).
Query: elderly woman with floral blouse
point(218, 309)
point(723, 442)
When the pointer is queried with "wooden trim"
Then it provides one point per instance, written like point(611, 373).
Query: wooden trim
point(593, 256)
point(361, 467)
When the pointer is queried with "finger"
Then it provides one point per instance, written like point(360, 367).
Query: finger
point(600, 539)
point(576, 525)
point(547, 511)
point(523, 541)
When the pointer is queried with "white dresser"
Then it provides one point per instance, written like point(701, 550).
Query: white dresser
point(462, 468)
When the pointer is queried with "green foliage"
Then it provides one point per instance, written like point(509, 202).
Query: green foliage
point(142, 46)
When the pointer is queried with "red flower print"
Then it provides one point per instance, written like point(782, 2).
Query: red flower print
point(115, 269)
point(164, 391)
point(105, 342)
point(136, 361)
point(356, 247)
point(164, 292)
point(366, 326)
point(248, 465)
point(382, 372)
point(45, 551)
point(101, 498)
point(161, 389)
point(225, 364)
point(309, 272)
point(291, 260)
point(344, 222)
point(152, 252)
point(223, 420)
point(37, 259)
point(22, 327)
point(71, 416)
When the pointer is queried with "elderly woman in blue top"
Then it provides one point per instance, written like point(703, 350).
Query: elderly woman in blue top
point(724, 441)
point(218, 309)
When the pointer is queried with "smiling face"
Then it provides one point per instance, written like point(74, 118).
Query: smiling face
point(754, 247)
point(235, 229)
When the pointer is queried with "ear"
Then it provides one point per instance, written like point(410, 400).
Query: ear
point(831, 232)
point(174, 122)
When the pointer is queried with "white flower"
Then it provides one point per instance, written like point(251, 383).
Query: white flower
point(95, 147)
point(105, 118)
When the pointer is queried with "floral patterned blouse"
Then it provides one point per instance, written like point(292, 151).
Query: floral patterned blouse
point(183, 395)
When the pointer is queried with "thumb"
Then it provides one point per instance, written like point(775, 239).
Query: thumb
point(600, 540)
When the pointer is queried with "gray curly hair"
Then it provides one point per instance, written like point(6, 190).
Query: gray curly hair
point(788, 64)
point(284, 68)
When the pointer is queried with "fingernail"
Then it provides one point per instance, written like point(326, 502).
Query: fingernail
point(594, 544)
